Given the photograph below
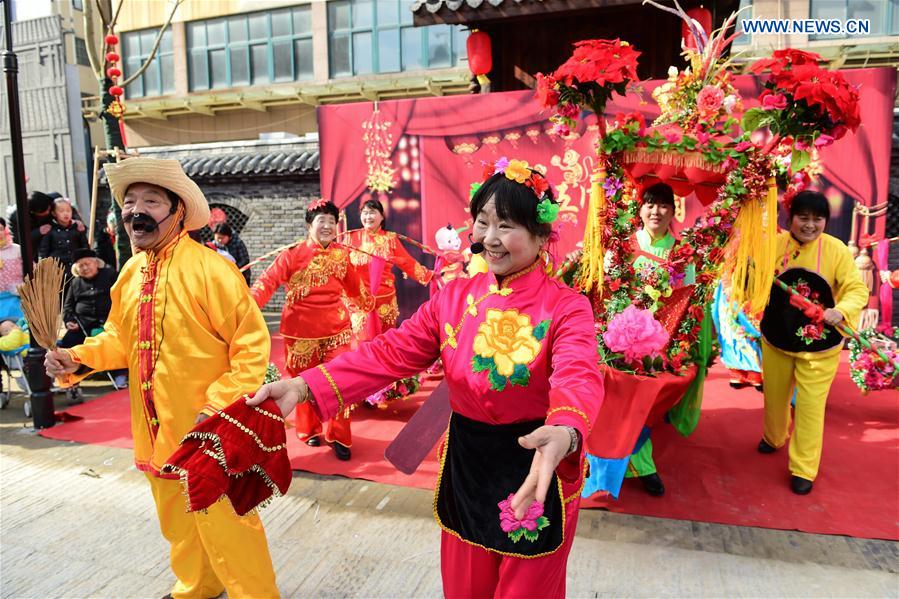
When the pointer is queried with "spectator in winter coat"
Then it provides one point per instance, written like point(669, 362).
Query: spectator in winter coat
point(88, 302)
point(227, 239)
point(39, 205)
point(64, 237)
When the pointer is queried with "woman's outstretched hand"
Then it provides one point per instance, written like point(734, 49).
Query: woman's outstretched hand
point(287, 394)
point(551, 443)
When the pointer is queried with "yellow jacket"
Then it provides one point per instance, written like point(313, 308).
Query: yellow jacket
point(830, 258)
point(184, 324)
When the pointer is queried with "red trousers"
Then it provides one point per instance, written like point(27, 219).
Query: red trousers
point(307, 423)
point(471, 572)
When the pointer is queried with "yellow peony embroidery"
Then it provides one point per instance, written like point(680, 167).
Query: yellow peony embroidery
point(518, 171)
point(508, 338)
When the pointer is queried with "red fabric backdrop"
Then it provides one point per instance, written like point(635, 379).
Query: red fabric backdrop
point(452, 135)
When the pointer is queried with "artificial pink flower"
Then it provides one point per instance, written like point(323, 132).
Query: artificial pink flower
point(673, 137)
point(823, 141)
point(561, 129)
point(568, 110)
point(635, 333)
point(742, 146)
point(702, 137)
point(710, 99)
point(801, 145)
point(507, 520)
point(774, 102)
point(500, 165)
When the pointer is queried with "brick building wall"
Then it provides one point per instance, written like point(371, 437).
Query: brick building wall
point(274, 211)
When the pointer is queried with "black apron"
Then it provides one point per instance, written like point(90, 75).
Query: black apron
point(480, 466)
point(782, 320)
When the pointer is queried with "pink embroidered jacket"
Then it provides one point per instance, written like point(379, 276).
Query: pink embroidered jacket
point(522, 350)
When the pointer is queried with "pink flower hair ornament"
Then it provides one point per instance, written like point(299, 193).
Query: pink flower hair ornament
point(528, 527)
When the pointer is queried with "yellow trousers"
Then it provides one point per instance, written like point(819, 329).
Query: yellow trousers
point(811, 376)
point(213, 551)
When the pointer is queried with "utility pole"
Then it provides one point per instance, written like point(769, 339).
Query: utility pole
point(41, 396)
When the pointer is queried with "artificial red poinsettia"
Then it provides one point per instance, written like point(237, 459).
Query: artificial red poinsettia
point(803, 101)
point(587, 80)
point(600, 62)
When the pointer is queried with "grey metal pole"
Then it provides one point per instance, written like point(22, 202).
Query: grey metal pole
point(41, 397)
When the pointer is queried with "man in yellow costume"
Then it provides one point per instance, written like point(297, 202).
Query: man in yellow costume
point(193, 340)
point(798, 352)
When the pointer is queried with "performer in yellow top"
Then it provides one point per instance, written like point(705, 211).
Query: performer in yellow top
point(193, 340)
point(799, 353)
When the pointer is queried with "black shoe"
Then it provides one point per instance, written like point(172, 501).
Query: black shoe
point(313, 442)
point(653, 484)
point(765, 448)
point(342, 452)
point(800, 486)
point(738, 384)
point(760, 388)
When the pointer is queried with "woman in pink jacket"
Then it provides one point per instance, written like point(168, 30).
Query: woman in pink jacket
point(519, 353)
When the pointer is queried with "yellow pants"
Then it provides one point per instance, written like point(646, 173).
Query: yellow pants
point(213, 551)
point(811, 375)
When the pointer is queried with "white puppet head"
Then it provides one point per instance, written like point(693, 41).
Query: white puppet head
point(448, 239)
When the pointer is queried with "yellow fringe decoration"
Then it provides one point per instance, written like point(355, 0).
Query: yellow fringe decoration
point(752, 251)
point(591, 267)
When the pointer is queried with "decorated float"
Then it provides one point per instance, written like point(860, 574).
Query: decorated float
point(708, 150)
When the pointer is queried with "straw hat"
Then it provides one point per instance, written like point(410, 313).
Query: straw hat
point(164, 173)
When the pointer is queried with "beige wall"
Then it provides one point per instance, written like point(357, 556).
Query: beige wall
point(799, 9)
point(140, 14)
point(227, 125)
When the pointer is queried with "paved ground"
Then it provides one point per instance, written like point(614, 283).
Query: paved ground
point(77, 521)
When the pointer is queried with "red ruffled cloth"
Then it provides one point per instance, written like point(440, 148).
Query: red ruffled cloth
point(239, 453)
point(631, 402)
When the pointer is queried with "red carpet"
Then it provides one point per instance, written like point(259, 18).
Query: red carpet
point(715, 475)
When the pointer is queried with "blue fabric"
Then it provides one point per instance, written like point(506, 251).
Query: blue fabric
point(605, 475)
point(737, 336)
point(10, 306)
point(608, 474)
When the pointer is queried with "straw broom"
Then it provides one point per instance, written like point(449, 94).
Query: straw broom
point(41, 295)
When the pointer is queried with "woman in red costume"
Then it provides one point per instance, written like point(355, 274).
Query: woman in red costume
point(314, 322)
point(374, 240)
point(520, 361)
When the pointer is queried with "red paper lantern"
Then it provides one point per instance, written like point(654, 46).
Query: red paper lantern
point(113, 72)
point(480, 53)
point(112, 57)
point(116, 90)
point(701, 15)
point(112, 39)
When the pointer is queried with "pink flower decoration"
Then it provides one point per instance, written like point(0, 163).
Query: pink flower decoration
point(509, 523)
point(570, 111)
point(635, 333)
point(710, 99)
point(673, 137)
point(702, 137)
point(774, 102)
point(561, 129)
point(742, 146)
point(823, 141)
point(501, 165)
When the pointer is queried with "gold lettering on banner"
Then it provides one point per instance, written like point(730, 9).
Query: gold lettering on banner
point(573, 193)
point(680, 208)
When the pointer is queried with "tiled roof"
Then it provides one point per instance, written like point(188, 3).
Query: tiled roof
point(432, 6)
point(282, 163)
point(243, 158)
